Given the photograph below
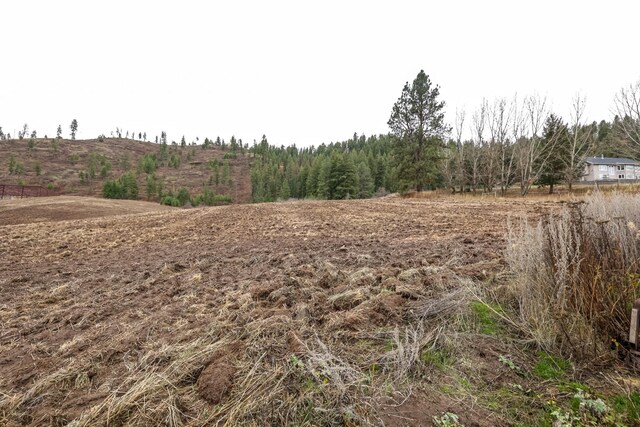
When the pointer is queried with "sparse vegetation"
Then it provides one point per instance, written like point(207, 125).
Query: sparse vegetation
point(575, 276)
point(355, 338)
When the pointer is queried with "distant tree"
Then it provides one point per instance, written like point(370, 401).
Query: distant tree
point(365, 181)
point(34, 134)
point(74, 128)
point(342, 178)
point(152, 186)
point(148, 164)
point(1, 133)
point(183, 142)
point(555, 136)
point(627, 103)
point(183, 196)
point(226, 173)
point(156, 139)
point(124, 188)
point(233, 144)
point(579, 145)
point(144, 136)
point(163, 137)
point(23, 133)
point(285, 191)
point(418, 126)
point(93, 162)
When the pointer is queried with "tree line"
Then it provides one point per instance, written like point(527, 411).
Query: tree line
point(502, 144)
point(356, 168)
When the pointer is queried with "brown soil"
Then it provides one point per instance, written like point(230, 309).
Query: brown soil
point(90, 303)
point(65, 208)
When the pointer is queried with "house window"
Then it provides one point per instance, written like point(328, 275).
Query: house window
point(604, 176)
point(620, 167)
point(603, 168)
point(621, 176)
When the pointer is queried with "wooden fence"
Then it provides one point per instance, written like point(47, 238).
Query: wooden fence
point(10, 190)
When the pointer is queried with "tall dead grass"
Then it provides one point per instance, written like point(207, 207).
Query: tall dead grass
point(575, 275)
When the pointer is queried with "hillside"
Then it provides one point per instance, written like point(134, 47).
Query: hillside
point(61, 163)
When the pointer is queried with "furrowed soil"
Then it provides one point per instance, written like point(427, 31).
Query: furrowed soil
point(297, 313)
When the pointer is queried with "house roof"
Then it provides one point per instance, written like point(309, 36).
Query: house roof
point(611, 161)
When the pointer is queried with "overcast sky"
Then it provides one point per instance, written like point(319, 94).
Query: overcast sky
point(299, 72)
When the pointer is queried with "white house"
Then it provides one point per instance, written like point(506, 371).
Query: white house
point(610, 169)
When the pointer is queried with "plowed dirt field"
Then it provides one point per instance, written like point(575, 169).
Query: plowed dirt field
point(298, 313)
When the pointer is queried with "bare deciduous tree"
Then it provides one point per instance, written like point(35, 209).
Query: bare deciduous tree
point(533, 151)
point(498, 119)
point(580, 142)
point(478, 122)
point(627, 107)
point(460, 170)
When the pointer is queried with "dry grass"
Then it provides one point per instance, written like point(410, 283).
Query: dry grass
point(575, 275)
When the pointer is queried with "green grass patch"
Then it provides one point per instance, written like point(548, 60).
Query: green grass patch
point(487, 316)
point(551, 367)
point(628, 406)
point(436, 357)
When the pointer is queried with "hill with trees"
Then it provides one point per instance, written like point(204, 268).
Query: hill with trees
point(503, 144)
point(121, 167)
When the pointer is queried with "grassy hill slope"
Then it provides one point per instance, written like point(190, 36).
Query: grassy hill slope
point(60, 163)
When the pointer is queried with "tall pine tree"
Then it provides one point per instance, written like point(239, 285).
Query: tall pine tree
point(417, 123)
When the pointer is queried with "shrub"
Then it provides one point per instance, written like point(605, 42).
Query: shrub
point(15, 167)
point(576, 275)
point(183, 196)
point(170, 201)
point(209, 198)
point(124, 188)
point(174, 161)
point(148, 164)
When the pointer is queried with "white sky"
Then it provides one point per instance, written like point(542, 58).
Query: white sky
point(297, 71)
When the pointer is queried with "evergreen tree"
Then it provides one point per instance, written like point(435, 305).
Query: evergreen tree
point(556, 137)
point(285, 192)
point(417, 123)
point(59, 132)
point(322, 189)
point(74, 128)
point(343, 181)
point(365, 181)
